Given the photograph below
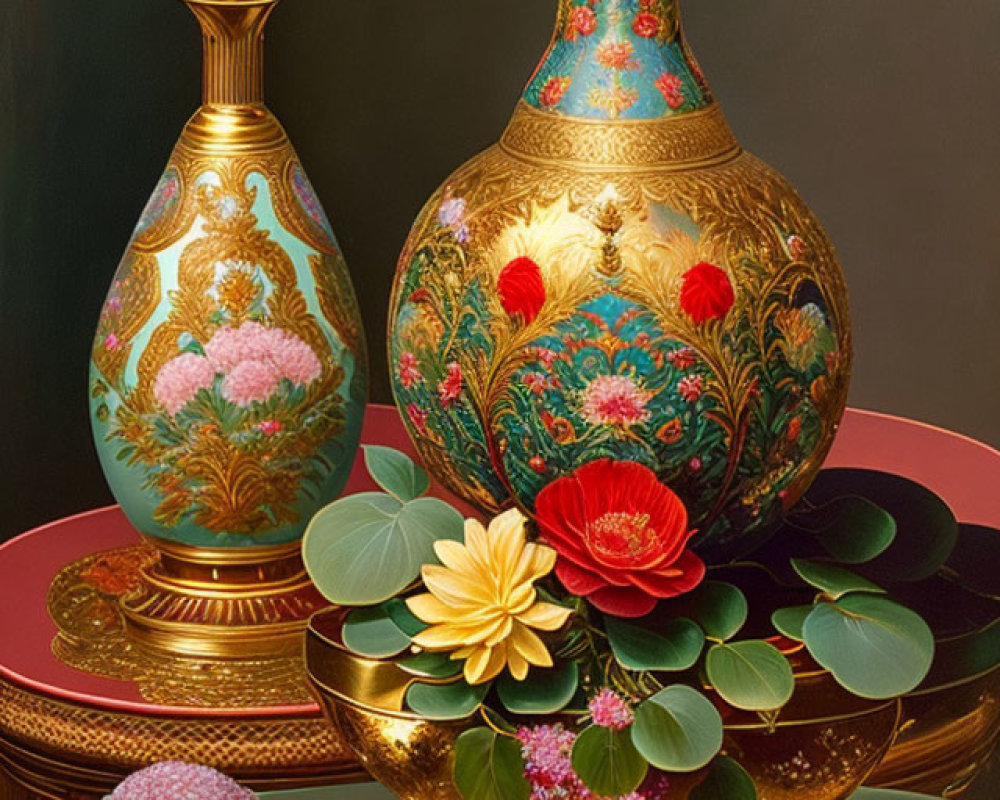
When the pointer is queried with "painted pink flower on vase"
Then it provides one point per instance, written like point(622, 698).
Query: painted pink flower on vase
point(250, 382)
point(287, 355)
point(451, 387)
point(294, 359)
point(229, 346)
point(112, 342)
point(691, 388)
point(180, 379)
point(615, 400)
point(409, 369)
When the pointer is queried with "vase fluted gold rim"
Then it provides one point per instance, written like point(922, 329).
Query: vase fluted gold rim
point(225, 555)
point(211, 641)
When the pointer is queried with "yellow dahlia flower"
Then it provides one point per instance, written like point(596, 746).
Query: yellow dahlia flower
point(483, 605)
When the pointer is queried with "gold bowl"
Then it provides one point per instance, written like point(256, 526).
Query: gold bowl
point(823, 746)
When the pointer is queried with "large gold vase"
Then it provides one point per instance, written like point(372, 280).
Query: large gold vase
point(228, 379)
point(618, 278)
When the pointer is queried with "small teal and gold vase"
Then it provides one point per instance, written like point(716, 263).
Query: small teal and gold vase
point(617, 278)
point(228, 380)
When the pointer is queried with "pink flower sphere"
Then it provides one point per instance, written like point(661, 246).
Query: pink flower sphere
point(181, 379)
point(172, 780)
point(250, 382)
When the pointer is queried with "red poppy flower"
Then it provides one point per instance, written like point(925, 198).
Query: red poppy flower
point(706, 293)
point(521, 289)
point(621, 536)
point(646, 25)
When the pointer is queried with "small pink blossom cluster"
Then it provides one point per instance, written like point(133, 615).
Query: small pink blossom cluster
point(609, 710)
point(172, 780)
point(253, 360)
point(547, 752)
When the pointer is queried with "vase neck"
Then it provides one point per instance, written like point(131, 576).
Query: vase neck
point(233, 41)
point(618, 59)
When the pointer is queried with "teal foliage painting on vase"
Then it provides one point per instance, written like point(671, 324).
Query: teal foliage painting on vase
point(229, 375)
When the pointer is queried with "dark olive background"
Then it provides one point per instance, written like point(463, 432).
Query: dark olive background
point(884, 114)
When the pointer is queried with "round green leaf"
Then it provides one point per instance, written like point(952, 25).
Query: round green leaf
point(674, 648)
point(726, 780)
point(872, 646)
point(720, 608)
point(926, 527)
point(607, 762)
point(753, 676)
point(365, 548)
point(544, 692)
point(405, 619)
point(789, 621)
point(371, 632)
point(445, 701)
point(677, 730)
point(888, 794)
point(832, 580)
point(852, 529)
point(489, 766)
point(431, 665)
point(396, 473)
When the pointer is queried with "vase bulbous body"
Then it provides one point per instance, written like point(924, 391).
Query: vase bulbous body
point(228, 378)
point(617, 278)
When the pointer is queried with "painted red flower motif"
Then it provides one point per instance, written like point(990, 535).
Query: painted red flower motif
point(521, 289)
point(621, 536)
point(409, 369)
point(451, 387)
point(672, 89)
point(554, 90)
point(683, 358)
point(418, 418)
point(706, 293)
point(690, 387)
point(646, 25)
point(582, 22)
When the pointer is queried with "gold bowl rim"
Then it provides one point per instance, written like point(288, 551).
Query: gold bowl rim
point(323, 688)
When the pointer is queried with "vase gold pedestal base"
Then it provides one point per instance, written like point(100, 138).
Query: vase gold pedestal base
point(221, 604)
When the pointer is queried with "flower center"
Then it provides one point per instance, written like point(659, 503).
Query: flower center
point(620, 538)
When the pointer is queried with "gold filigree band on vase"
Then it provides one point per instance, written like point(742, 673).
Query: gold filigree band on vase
point(685, 142)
